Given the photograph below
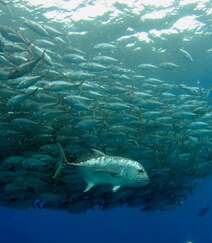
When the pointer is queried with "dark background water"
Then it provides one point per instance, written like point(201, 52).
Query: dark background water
point(179, 225)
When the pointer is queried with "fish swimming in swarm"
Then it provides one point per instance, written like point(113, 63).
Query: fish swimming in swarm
point(186, 54)
point(6, 6)
point(2, 2)
point(39, 204)
point(25, 68)
point(112, 170)
point(203, 211)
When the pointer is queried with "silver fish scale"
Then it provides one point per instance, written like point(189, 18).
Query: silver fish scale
point(111, 161)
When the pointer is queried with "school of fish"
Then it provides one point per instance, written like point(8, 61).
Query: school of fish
point(60, 102)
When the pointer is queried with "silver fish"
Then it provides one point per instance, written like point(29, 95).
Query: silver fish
point(112, 170)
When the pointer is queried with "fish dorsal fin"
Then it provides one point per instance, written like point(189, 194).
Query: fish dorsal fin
point(98, 153)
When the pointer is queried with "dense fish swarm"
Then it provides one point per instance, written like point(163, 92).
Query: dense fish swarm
point(55, 94)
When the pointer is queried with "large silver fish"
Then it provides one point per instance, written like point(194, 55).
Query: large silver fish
point(112, 170)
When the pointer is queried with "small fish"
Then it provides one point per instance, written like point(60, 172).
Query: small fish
point(147, 66)
point(187, 55)
point(203, 211)
point(25, 68)
point(75, 58)
point(169, 65)
point(105, 46)
point(209, 50)
point(52, 30)
point(105, 59)
point(39, 204)
point(93, 66)
point(36, 27)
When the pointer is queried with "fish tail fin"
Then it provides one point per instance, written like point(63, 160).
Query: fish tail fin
point(62, 153)
point(62, 161)
point(44, 52)
point(24, 38)
point(40, 60)
point(42, 56)
point(81, 83)
point(59, 98)
point(33, 92)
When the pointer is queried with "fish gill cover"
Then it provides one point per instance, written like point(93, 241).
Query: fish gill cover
point(124, 77)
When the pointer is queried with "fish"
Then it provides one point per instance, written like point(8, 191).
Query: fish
point(39, 204)
point(28, 81)
point(52, 30)
point(36, 27)
point(116, 171)
point(105, 46)
point(169, 65)
point(25, 68)
point(74, 58)
point(105, 59)
point(203, 211)
point(186, 54)
point(93, 66)
point(147, 66)
point(209, 50)
point(38, 52)
point(16, 101)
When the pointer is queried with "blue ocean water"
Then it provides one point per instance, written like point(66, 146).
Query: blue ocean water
point(180, 225)
point(130, 78)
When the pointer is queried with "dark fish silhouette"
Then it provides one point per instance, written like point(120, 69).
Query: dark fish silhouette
point(203, 211)
point(39, 204)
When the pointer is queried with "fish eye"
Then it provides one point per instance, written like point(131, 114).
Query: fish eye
point(141, 170)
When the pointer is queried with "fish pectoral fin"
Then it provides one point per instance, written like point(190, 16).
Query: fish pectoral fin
point(116, 188)
point(89, 186)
